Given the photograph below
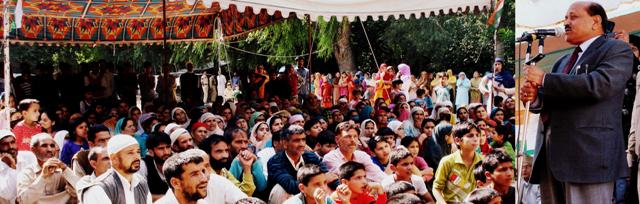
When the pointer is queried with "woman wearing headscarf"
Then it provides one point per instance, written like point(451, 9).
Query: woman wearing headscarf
point(408, 86)
point(438, 146)
point(134, 113)
point(255, 118)
point(215, 123)
point(126, 126)
point(383, 82)
point(179, 116)
point(451, 82)
point(145, 126)
point(413, 125)
point(260, 137)
point(397, 127)
point(402, 111)
point(462, 94)
point(368, 129)
point(476, 96)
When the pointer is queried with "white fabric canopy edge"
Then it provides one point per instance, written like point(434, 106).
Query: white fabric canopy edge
point(355, 8)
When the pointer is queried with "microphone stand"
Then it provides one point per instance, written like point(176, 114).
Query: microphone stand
point(521, 136)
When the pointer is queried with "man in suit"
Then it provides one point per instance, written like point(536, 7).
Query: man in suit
point(581, 151)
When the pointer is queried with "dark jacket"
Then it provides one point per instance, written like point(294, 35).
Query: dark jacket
point(282, 172)
point(583, 140)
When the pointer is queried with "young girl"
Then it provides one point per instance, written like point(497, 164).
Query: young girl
point(260, 136)
point(420, 167)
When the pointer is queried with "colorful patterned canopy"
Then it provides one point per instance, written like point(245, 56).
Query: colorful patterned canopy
point(128, 21)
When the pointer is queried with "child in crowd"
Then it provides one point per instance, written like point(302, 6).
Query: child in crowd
point(499, 168)
point(326, 142)
point(352, 175)
point(313, 187)
point(402, 165)
point(484, 196)
point(499, 141)
point(420, 166)
point(381, 150)
point(454, 177)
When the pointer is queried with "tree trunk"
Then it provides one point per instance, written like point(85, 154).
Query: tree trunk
point(499, 52)
point(342, 48)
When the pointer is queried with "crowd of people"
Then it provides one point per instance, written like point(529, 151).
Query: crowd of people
point(280, 136)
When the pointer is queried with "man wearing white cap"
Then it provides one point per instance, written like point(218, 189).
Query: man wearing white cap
point(48, 180)
point(120, 184)
point(8, 173)
point(181, 140)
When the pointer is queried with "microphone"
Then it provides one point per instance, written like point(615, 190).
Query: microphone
point(539, 33)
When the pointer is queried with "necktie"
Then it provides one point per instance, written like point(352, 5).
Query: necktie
point(572, 60)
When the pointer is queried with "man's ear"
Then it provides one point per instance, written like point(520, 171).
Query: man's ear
point(175, 182)
point(301, 187)
point(92, 163)
point(393, 167)
point(487, 175)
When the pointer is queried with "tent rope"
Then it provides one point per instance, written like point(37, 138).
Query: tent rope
point(369, 43)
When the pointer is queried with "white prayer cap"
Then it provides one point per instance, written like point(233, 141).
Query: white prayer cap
point(119, 142)
point(170, 127)
point(206, 116)
point(6, 133)
point(176, 133)
point(37, 137)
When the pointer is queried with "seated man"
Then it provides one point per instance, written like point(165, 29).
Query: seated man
point(8, 165)
point(48, 180)
point(347, 139)
point(100, 163)
point(239, 142)
point(159, 148)
point(284, 166)
point(354, 177)
point(218, 150)
point(312, 185)
point(188, 178)
point(98, 136)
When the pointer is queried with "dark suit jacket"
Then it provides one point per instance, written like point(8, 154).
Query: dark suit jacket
point(583, 141)
point(282, 172)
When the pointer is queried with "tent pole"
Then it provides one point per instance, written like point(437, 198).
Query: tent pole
point(7, 66)
point(164, 33)
point(309, 34)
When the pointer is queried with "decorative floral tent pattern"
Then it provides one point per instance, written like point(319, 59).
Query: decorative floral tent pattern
point(129, 21)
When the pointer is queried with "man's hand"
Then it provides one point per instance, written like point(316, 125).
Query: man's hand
point(622, 35)
point(534, 74)
point(528, 92)
point(246, 159)
point(8, 159)
point(50, 167)
point(344, 193)
point(320, 196)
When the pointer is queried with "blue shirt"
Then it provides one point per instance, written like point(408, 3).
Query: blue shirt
point(69, 149)
point(142, 141)
point(256, 169)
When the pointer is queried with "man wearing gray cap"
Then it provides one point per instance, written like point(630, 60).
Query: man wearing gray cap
point(120, 184)
point(49, 180)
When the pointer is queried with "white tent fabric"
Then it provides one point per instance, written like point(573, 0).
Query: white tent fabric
point(537, 14)
point(355, 8)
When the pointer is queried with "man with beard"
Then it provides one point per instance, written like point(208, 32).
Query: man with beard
point(8, 173)
point(239, 143)
point(218, 151)
point(188, 178)
point(120, 184)
point(159, 145)
point(49, 180)
point(181, 140)
point(284, 166)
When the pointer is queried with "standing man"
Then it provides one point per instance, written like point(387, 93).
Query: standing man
point(303, 77)
point(580, 102)
point(189, 92)
point(147, 83)
point(121, 184)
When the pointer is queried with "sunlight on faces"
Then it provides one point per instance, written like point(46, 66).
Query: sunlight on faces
point(193, 181)
point(469, 141)
point(127, 160)
point(44, 149)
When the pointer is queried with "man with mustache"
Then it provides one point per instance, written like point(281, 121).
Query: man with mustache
point(8, 173)
point(100, 163)
point(49, 180)
point(120, 184)
point(218, 150)
point(159, 146)
point(346, 138)
point(580, 102)
point(188, 178)
point(181, 140)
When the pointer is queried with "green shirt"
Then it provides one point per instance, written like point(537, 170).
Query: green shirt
point(454, 178)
